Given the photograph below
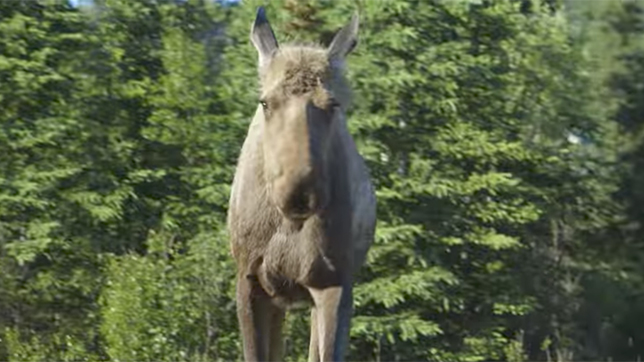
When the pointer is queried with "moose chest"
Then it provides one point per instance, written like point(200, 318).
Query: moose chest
point(314, 254)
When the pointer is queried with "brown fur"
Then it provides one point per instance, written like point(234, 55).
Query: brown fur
point(298, 69)
point(302, 208)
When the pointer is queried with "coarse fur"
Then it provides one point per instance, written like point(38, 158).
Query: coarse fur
point(302, 210)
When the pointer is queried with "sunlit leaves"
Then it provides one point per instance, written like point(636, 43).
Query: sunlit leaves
point(403, 326)
point(120, 130)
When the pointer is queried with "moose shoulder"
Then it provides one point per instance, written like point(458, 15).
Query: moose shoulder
point(302, 210)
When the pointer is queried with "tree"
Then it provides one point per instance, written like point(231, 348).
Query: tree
point(492, 139)
point(49, 269)
point(461, 112)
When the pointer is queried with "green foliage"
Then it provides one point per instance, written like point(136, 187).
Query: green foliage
point(507, 230)
point(159, 307)
point(477, 116)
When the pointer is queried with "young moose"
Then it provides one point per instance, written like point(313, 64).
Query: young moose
point(302, 207)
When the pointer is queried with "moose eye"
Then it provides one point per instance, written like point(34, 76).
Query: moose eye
point(334, 105)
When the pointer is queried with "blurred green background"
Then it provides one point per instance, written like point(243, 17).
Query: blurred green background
point(505, 139)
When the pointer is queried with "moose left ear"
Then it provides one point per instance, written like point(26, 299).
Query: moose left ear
point(345, 40)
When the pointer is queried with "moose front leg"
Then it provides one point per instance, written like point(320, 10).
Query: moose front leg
point(258, 320)
point(314, 345)
point(333, 309)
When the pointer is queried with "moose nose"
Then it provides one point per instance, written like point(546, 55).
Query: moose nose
point(301, 204)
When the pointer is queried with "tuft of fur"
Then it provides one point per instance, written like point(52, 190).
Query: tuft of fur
point(297, 69)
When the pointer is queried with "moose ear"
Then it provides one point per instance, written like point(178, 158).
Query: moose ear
point(262, 37)
point(345, 40)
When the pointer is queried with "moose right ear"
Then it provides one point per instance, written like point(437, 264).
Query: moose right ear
point(345, 40)
point(262, 37)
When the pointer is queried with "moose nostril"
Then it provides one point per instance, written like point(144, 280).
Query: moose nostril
point(300, 203)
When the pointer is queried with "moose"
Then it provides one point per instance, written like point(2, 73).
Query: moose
point(302, 209)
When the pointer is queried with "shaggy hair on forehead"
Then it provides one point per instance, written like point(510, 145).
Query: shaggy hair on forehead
point(301, 69)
